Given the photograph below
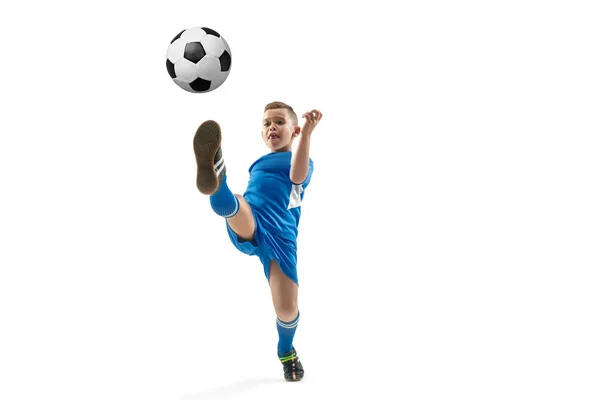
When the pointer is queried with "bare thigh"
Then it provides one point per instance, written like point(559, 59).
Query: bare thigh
point(284, 292)
point(242, 223)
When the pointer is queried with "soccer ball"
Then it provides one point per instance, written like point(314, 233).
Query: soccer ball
point(198, 60)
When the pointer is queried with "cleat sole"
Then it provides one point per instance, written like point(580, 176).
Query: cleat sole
point(207, 142)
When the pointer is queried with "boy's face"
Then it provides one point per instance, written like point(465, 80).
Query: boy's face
point(278, 130)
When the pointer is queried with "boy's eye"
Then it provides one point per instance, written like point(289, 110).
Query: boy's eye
point(277, 122)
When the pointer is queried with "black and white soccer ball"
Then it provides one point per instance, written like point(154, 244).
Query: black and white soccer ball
point(198, 60)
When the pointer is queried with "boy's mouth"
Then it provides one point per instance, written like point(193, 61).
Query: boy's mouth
point(273, 136)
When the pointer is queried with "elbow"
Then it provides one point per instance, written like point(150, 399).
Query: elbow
point(298, 178)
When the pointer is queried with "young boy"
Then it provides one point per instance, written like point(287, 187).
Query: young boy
point(264, 221)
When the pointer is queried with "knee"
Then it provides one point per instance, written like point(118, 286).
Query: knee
point(287, 312)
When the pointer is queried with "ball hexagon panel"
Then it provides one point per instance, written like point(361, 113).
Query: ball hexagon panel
point(218, 80)
point(193, 35)
point(213, 45)
point(185, 70)
point(208, 68)
point(176, 50)
point(183, 85)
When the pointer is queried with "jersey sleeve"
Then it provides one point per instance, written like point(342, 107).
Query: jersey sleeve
point(311, 167)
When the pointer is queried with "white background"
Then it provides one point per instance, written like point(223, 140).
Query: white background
point(449, 242)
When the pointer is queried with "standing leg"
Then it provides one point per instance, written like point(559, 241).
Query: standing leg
point(285, 301)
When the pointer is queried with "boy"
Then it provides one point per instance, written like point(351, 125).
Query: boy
point(264, 221)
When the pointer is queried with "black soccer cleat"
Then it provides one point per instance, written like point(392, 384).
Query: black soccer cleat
point(292, 367)
point(209, 157)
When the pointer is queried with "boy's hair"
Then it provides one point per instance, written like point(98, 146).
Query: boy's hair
point(279, 104)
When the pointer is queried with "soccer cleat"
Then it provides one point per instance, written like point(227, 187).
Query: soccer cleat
point(209, 157)
point(292, 367)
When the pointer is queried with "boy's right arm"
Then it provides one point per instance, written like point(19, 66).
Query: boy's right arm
point(300, 159)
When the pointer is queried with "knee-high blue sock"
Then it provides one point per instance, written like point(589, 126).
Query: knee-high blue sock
point(286, 332)
point(223, 202)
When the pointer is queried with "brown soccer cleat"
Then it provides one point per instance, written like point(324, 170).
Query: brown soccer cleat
point(209, 157)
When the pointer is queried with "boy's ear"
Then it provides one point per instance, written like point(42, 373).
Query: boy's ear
point(296, 131)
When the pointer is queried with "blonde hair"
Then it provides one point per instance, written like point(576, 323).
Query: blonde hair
point(279, 104)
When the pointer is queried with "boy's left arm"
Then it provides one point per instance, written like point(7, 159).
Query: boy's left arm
point(299, 168)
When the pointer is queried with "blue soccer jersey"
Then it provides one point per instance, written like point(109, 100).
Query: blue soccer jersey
point(274, 196)
point(275, 201)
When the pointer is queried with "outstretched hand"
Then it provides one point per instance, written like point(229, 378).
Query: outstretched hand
point(312, 119)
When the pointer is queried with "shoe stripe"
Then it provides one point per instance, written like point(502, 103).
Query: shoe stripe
point(288, 358)
point(219, 163)
point(218, 170)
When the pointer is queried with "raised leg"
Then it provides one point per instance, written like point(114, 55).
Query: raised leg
point(211, 179)
point(242, 223)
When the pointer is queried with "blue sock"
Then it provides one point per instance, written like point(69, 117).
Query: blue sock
point(223, 202)
point(286, 332)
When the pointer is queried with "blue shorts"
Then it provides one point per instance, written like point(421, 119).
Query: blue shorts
point(267, 246)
